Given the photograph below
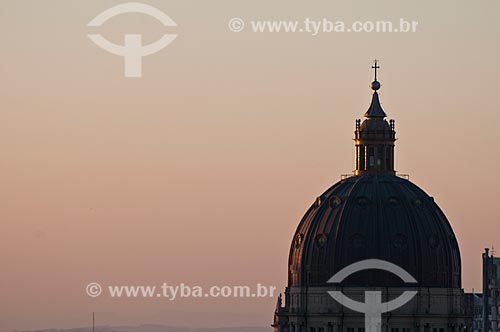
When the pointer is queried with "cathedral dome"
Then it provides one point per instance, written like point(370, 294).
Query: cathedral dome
point(375, 216)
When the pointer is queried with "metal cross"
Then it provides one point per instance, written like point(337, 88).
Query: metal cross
point(375, 67)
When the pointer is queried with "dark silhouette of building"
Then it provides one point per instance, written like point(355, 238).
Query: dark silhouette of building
point(491, 294)
point(373, 214)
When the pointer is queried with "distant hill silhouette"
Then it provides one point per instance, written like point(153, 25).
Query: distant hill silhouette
point(158, 328)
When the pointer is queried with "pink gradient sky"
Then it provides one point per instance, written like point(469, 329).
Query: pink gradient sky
point(200, 171)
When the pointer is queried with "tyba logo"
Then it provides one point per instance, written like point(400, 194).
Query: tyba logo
point(373, 308)
point(132, 50)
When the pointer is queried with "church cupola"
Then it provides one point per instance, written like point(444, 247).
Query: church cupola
point(375, 138)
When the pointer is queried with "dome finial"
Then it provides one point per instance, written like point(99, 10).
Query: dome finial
point(375, 110)
point(375, 84)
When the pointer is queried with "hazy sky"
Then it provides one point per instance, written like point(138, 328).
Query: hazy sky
point(199, 171)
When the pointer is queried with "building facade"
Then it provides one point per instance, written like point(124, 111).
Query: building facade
point(487, 318)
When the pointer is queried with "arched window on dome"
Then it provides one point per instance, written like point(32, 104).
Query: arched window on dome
point(380, 149)
point(371, 157)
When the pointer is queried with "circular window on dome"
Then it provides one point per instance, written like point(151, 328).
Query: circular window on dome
point(434, 241)
point(399, 241)
point(358, 241)
point(321, 240)
point(362, 201)
point(393, 201)
point(298, 240)
point(335, 202)
point(418, 202)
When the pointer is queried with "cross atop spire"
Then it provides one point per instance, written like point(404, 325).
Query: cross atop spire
point(375, 110)
point(375, 66)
